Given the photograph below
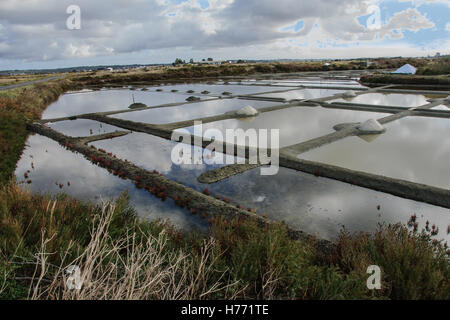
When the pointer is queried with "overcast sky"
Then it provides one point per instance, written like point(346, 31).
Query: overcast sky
point(34, 33)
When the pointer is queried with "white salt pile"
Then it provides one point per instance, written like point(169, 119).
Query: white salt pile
point(371, 126)
point(446, 101)
point(247, 111)
point(349, 94)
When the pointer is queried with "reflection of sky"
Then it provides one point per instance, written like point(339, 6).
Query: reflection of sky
point(190, 111)
point(304, 94)
point(306, 202)
point(315, 205)
point(119, 99)
point(88, 182)
point(323, 206)
point(442, 107)
point(296, 124)
point(350, 84)
point(216, 89)
point(315, 81)
point(82, 127)
point(392, 99)
point(153, 153)
point(414, 148)
point(106, 100)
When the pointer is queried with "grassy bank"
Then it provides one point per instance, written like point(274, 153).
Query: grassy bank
point(226, 70)
point(435, 72)
point(121, 257)
point(439, 66)
point(441, 80)
point(16, 107)
point(6, 80)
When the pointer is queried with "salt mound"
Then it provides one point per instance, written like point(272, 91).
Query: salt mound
point(371, 126)
point(137, 105)
point(349, 94)
point(247, 111)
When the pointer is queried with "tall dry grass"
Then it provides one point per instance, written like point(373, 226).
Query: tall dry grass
point(120, 257)
point(135, 266)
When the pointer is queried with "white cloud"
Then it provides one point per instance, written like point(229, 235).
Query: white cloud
point(31, 30)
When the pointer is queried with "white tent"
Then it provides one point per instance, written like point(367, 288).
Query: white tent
point(406, 69)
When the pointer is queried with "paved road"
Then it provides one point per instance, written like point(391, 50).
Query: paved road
point(24, 84)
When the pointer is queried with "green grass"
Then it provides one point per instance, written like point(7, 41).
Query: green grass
point(243, 261)
point(13, 134)
point(436, 67)
point(406, 79)
point(213, 71)
point(414, 266)
point(429, 72)
point(17, 106)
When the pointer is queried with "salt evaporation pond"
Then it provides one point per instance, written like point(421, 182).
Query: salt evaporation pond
point(82, 127)
point(296, 124)
point(213, 89)
point(106, 100)
point(313, 204)
point(189, 111)
point(414, 148)
point(53, 165)
point(317, 205)
point(303, 94)
point(389, 99)
point(350, 84)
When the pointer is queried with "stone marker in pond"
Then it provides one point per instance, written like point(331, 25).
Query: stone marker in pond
point(192, 98)
point(137, 105)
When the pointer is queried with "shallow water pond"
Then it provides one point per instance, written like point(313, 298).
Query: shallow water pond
point(304, 94)
point(415, 149)
point(390, 99)
point(295, 124)
point(213, 89)
point(190, 111)
point(323, 83)
point(316, 205)
point(323, 206)
point(106, 100)
point(442, 107)
point(154, 153)
point(55, 166)
point(82, 127)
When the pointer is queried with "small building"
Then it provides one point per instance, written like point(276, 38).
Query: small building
point(406, 69)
